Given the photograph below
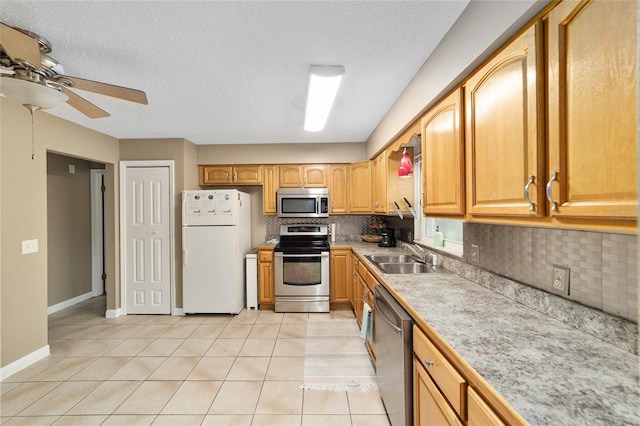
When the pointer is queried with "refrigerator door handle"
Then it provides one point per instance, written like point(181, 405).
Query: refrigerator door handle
point(184, 248)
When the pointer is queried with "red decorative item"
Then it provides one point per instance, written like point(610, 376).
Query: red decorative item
point(406, 168)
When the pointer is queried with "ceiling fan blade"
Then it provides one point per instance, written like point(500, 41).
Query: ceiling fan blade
point(19, 46)
point(83, 105)
point(120, 92)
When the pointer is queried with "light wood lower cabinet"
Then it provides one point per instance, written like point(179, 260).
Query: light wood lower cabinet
point(429, 406)
point(340, 283)
point(480, 414)
point(451, 387)
point(266, 281)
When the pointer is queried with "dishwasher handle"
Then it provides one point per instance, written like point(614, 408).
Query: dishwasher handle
point(382, 306)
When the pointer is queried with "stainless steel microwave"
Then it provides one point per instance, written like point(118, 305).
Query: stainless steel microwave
point(303, 202)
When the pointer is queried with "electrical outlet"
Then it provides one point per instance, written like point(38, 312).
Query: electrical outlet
point(475, 254)
point(560, 279)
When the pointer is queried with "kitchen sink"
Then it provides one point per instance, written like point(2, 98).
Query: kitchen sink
point(405, 268)
point(399, 264)
point(391, 258)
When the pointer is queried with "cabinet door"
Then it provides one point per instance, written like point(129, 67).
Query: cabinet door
point(269, 189)
point(340, 277)
point(593, 109)
point(429, 406)
point(338, 193)
point(504, 131)
point(358, 297)
point(315, 176)
point(216, 175)
point(443, 158)
point(290, 176)
point(247, 175)
point(354, 280)
point(360, 187)
point(266, 277)
point(480, 414)
point(380, 183)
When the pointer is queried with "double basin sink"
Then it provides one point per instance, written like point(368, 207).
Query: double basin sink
point(399, 264)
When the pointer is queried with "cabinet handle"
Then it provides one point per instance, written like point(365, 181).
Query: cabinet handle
point(428, 363)
point(235, 177)
point(228, 177)
point(554, 205)
point(532, 205)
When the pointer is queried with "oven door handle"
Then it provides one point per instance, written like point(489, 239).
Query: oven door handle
point(322, 254)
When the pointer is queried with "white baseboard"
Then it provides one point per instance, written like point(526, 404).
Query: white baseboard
point(62, 305)
point(178, 312)
point(24, 362)
point(113, 313)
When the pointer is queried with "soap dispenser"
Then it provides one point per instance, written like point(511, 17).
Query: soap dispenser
point(438, 238)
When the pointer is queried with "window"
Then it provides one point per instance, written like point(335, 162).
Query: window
point(424, 227)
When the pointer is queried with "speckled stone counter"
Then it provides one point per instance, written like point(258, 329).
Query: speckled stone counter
point(549, 372)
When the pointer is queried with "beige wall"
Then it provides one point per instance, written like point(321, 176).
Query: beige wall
point(68, 228)
point(478, 32)
point(23, 215)
point(182, 152)
point(282, 153)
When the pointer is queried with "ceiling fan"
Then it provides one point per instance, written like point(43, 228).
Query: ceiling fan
point(30, 76)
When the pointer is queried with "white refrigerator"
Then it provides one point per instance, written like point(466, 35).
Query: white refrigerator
point(216, 235)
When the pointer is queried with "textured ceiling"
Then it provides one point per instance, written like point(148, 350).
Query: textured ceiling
point(236, 72)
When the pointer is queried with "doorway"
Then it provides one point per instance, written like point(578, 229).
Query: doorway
point(147, 237)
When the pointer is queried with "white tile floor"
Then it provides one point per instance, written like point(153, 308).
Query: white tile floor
point(166, 370)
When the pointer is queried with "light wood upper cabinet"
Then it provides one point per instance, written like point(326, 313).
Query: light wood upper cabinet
point(303, 176)
point(360, 187)
point(230, 175)
point(593, 109)
point(270, 188)
point(338, 188)
point(443, 187)
point(504, 131)
point(379, 171)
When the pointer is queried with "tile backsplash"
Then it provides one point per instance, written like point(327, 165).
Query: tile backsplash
point(604, 266)
point(348, 227)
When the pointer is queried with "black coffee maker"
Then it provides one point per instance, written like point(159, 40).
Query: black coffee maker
point(388, 237)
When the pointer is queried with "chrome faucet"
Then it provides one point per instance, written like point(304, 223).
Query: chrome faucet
point(417, 250)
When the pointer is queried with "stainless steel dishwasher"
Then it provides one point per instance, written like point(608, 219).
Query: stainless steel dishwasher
point(394, 357)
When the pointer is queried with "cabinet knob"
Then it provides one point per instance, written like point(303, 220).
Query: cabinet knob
point(427, 363)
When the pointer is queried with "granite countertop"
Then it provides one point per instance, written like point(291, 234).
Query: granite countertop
point(549, 372)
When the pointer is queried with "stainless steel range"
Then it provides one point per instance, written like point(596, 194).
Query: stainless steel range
point(302, 269)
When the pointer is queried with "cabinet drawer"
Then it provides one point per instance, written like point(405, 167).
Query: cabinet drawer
point(480, 414)
point(450, 382)
point(362, 270)
point(265, 256)
point(429, 406)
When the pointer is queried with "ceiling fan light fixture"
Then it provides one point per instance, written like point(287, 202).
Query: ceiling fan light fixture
point(406, 167)
point(28, 93)
point(323, 88)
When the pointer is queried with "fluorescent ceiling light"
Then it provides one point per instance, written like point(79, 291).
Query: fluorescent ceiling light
point(323, 87)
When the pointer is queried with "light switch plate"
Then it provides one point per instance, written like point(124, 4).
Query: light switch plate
point(29, 246)
point(475, 254)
